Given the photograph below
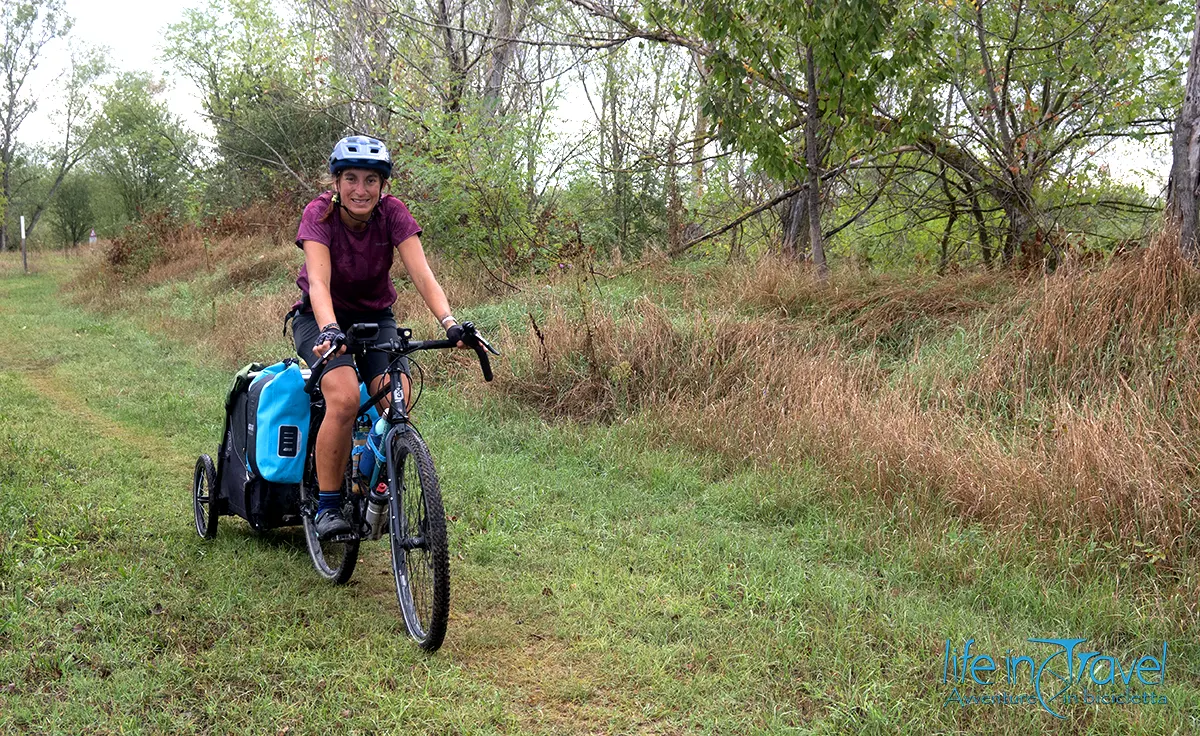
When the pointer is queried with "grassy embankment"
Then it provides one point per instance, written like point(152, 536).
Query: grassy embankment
point(805, 491)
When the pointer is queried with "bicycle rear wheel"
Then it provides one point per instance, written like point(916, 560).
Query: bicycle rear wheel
point(334, 559)
point(420, 556)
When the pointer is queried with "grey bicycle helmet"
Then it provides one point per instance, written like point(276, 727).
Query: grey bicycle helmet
point(360, 152)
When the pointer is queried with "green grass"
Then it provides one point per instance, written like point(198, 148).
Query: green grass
point(601, 583)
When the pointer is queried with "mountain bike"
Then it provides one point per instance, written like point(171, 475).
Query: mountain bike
point(402, 496)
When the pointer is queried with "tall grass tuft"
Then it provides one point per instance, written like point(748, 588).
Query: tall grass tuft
point(1083, 335)
point(879, 310)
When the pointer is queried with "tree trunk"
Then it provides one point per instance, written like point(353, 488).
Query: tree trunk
point(701, 133)
point(674, 203)
point(794, 218)
point(5, 194)
point(1022, 241)
point(675, 210)
point(501, 55)
point(944, 256)
point(455, 60)
point(812, 158)
point(985, 246)
point(1014, 232)
point(1021, 238)
point(1185, 153)
point(617, 158)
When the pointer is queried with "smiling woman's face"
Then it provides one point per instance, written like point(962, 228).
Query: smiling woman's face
point(359, 191)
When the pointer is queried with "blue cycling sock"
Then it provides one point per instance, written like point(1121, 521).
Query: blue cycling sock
point(328, 500)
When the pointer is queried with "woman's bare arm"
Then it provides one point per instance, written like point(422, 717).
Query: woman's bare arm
point(316, 258)
point(412, 253)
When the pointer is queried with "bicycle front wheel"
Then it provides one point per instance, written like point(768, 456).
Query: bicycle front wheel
point(420, 556)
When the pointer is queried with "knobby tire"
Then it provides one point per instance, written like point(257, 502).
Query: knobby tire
point(420, 555)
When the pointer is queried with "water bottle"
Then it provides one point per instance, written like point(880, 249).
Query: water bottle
point(377, 510)
point(359, 448)
point(373, 452)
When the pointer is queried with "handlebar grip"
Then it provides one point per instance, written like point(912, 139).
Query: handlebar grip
point(314, 373)
point(484, 363)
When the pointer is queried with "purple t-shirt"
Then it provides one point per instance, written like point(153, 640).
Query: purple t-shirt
point(359, 260)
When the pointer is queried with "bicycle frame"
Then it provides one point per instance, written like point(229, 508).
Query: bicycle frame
point(397, 416)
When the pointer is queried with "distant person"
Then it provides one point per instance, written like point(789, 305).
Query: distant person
point(348, 235)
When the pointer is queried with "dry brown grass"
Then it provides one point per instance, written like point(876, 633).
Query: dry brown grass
point(466, 283)
point(1079, 418)
point(869, 309)
point(1112, 465)
point(1082, 335)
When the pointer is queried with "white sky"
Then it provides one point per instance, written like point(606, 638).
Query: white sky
point(134, 30)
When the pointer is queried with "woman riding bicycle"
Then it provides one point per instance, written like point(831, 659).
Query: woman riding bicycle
point(348, 235)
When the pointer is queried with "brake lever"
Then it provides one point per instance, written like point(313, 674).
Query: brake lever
point(311, 383)
point(488, 345)
point(470, 329)
point(332, 349)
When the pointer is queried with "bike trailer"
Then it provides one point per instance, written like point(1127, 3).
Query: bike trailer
point(260, 463)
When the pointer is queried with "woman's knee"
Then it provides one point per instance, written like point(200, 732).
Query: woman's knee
point(340, 389)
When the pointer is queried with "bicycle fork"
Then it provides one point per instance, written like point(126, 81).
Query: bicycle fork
point(397, 508)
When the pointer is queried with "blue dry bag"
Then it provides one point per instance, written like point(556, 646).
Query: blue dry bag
point(278, 419)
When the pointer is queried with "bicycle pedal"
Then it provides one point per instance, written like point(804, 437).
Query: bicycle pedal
point(340, 539)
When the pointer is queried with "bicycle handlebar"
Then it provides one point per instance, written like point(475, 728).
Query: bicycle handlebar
point(363, 336)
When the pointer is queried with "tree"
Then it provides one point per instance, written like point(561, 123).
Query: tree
point(73, 209)
point(1034, 91)
point(142, 148)
point(796, 85)
point(1185, 152)
point(260, 92)
point(26, 28)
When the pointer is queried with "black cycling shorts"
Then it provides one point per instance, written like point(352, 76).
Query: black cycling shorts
point(369, 363)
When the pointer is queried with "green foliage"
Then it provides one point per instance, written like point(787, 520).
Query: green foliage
point(1032, 92)
point(73, 209)
point(756, 89)
point(26, 27)
point(466, 183)
point(911, 112)
point(29, 173)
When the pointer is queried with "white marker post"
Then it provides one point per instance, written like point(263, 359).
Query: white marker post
point(24, 258)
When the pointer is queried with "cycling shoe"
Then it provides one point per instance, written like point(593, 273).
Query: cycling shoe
point(331, 523)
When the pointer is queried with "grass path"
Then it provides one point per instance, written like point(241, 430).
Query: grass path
point(599, 585)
